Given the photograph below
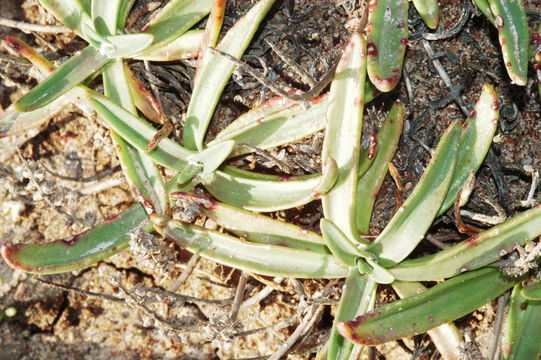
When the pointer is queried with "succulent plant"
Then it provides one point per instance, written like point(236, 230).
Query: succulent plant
point(347, 186)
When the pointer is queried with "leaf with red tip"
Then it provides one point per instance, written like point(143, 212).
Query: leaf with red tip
point(512, 24)
point(387, 37)
point(215, 73)
point(407, 227)
point(370, 182)
point(477, 251)
point(475, 140)
point(78, 251)
point(427, 310)
point(342, 140)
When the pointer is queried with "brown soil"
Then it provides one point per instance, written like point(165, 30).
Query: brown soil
point(55, 324)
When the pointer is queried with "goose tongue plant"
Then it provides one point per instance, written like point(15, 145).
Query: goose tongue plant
point(347, 186)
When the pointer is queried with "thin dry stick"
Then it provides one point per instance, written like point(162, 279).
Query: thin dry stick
point(310, 94)
point(138, 304)
point(306, 77)
point(307, 322)
point(239, 296)
point(102, 185)
point(28, 27)
point(70, 218)
point(190, 266)
point(167, 125)
point(187, 298)
point(267, 290)
point(443, 74)
point(502, 302)
point(282, 165)
point(80, 291)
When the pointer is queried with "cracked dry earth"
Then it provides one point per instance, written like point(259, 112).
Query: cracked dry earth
point(72, 159)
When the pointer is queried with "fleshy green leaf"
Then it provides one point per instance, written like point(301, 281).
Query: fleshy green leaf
point(264, 259)
point(446, 337)
point(69, 74)
point(274, 123)
point(280, 121)
point(268, 193)
point(138, 168)
point(257, 228)
point(408, 226)
point(484, 7)
point(138, 133)
point(357, 297)
point(387, 37)
point(427, 310)
point(522, 328)
point(369, 184)
point(120, 46)
point(512, 24)
point(174, 20)
point(342, 140)
point(475, 252)
point(216, 72)
point(70, 13)
point(78, 251)
point(105, 14)
point(186, 46)
point(429, 11)
point(532, 291)
point(475, 141)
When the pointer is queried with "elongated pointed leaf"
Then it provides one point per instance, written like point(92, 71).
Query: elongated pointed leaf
point(512, 24)
point(168, 153)
point(126, 45)
point(532, 291)
point(69, 74)
point(105, 14)
point(138, 168)
point(12, 121)
point(211, 36)
point(357, 295)
point(342, 140)
point(484, 7)
point(387, 37)
point(475, 141)
point(269, 193)
point(264, 259)
point(275, 123)
point(143, 98)
point(174, 20)
point(257, 228)
point(369, 184)
point(446, 337)
point(522, 328)
point(71, 13)
point(186, 46)
point(475, 252)
point(216, 72)
point(412, 220)
point(429, 11)
point(341, 247)
point(280, 121)
point(78, 251)
point(427, 310)
point(123, 13)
